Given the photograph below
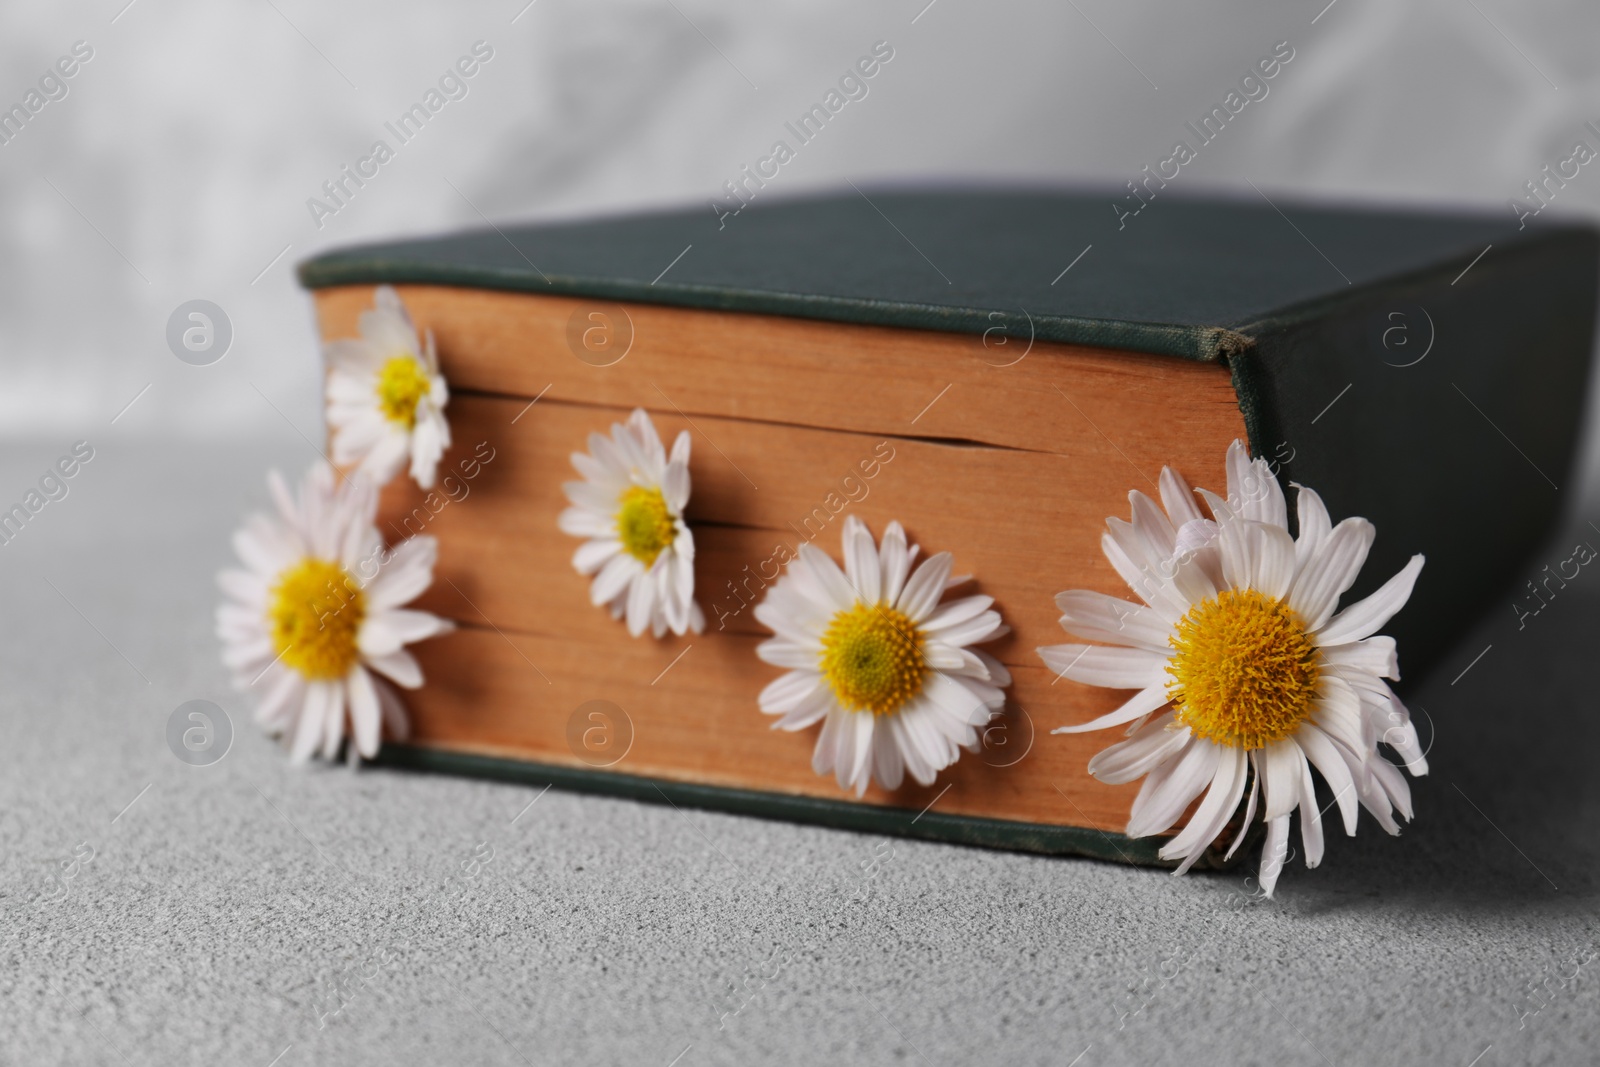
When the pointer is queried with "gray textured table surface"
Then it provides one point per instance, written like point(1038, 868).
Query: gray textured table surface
point(228, 909)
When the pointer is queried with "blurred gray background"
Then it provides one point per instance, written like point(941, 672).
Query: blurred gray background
point(179, 164)
point(225, 908)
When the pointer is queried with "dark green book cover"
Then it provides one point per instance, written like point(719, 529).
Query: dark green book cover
point(1423, 369)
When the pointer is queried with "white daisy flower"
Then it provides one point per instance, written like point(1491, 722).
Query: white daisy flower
point(630, 507)
point(1245, 673)
point(386, 398)
point(316, 616)
point(875, 655)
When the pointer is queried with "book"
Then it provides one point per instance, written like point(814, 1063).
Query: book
point(995, 369)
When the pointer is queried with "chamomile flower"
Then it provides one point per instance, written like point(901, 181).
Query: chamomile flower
point(1247, 677)
point(875, 656)
point(629, 507)
point(386, 397)
point(315, 620)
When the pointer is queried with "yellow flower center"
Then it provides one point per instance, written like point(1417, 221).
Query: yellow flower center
point(315, 616)
point(644, 526)
point(402, 383)
point(872, 657)
point(1244, 671)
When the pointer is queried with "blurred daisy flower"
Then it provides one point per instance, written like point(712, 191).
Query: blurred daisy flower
point(316, 622)
point(629, 507)
point(386, 398)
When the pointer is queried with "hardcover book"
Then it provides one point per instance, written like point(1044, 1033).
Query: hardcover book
point(994, 369)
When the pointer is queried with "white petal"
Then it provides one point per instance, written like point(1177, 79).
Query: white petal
point(614, 578)
point(350, 360)
point(986, 698)
point(822, 755)
point(1097, 617)
point(1151, 525)
point(1170, 789)
point(1391, 721)
point(1393, 783)
point(365, 714)
point(1235, 544)
point(804, 597)
point(1221, 511)
point(387, 456)
point(1310, 817)
point(1338, 713)
point(1314, 525)
point(827, 577)
point(781, 653)
point(649, 442)
point(641, 603)
point(592, 498)
point(907, 741)
point(1239, 476)
point(1366, 617)
point(1253, 490)
point(404, 575)
point(960, 702)
point(1282, 764)
point(239, 625)
point(1194, 535)
point(394, 710)
point(1332, 569)
point(675, 487)
point(283, 699)
point(1151, 745)
point(1211, 817)
point(1107, 665)
point(896, 562)
point(1261, 553)
point(427, 445)
point(954, 612)
point(861, 565)
point(1330, 762)
point(942, 657)
point(924, 588)
point(308, 729)
point(401, 667)
point(333, 721)
point(985, 627)
point(1274, 853)
point(802, 629)
point(1375, 655)
point(1195, 573)
point(1137, 706)
point(887, 764)
point(1249, 811)
point(593, 470)
point(592, 555)
point(284, 499)
point(997, 672)
point(1178, 498)
point(675, 590)
point(861, 751)
point(247, 587)
point(612, 456)
point(260, 554)
point(1148, 582)
point(788, 690)
point(819, 703)
point(920, 735)
point(383, 632)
